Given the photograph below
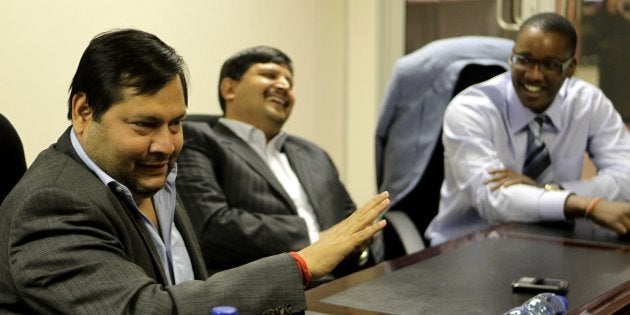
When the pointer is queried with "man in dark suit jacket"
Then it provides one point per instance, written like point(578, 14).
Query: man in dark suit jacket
point(95, 225)
point(251, 189)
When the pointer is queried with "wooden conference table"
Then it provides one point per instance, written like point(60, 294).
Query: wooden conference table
point(472, 275)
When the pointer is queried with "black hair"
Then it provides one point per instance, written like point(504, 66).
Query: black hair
point(554, 23)
point(235, 66)
point(126, 58)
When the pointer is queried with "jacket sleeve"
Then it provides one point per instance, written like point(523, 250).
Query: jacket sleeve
point(67, 254)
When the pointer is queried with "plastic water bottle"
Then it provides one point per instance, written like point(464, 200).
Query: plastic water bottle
point(224, 310)
point(542, 304)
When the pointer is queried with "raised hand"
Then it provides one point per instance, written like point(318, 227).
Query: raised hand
point(340, 240)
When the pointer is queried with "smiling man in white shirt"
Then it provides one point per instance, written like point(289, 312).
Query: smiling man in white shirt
point(491, 144)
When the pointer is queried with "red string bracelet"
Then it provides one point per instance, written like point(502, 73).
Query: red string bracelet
point(591, 206)
point(306, 276)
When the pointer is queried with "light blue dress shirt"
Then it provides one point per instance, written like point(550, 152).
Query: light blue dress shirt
point(168, 241)
point(485, 128)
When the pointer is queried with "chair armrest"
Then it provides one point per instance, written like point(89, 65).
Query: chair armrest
point(406, 231)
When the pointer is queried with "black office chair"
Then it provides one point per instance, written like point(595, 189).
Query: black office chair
point(426, 193)
point(12, 160)
point(409, 151)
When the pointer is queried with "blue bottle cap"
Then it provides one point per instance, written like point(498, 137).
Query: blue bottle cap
point(224, 310)
point(565, 301)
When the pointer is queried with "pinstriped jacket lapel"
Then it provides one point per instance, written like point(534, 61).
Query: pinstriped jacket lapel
point(156, 261)
point(301, 165)
point(236, 145)
point(64, 145)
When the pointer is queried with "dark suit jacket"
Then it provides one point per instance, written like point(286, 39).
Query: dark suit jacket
point(239, 209)
point(69, 245)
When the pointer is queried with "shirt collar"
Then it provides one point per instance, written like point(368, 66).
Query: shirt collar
point(104, 177)
point(519, 116)
point(253, 135)
point(168, 190)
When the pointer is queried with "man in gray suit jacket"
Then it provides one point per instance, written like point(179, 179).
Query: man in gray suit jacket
point(95, 225)
point(251, 189)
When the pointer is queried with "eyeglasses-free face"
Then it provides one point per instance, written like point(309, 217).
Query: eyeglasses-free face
point(549, 67)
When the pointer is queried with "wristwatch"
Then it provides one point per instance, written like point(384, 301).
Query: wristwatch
point(552, 187)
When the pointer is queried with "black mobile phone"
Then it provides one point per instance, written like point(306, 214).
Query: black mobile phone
point(537, 285)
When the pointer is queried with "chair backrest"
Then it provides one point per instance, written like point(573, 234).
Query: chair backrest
point(211, 119)
point(12, 160)
point(426, 193)
point(409, 153)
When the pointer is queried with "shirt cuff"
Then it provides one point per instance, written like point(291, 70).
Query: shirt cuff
point(551, 205)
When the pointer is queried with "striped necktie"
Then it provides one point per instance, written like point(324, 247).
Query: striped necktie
point(537, 162)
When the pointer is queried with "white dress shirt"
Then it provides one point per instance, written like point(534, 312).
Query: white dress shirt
point(485, 128)
point(277, 161)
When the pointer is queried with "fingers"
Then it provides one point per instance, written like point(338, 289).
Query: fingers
point(504, 182)
point(322, 256)
point(619, 228)
point(373, 208)
point(622, 225)
point(341, 239)
point(364, 235)
point(625, 221)
point(359, 219)
point(375, 228)
point(506, 178)
point(376, 200)
point(497, 170)
point(514, 181)
point(368, 219)
point(497, 176)
point(495, 187)
point(612, 215)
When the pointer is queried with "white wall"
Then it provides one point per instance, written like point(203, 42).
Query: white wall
point(340, 63)
point(375, 40)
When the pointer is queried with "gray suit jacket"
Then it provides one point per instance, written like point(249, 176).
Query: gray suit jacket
point(239, 209)
point(410, 120)
point(69, 245)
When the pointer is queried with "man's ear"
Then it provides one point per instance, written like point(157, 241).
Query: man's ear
point(81, 112)
point(227, 88)
point(572, 67)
